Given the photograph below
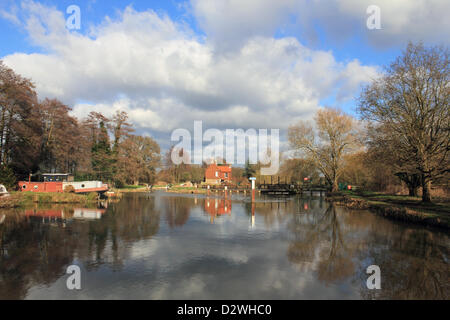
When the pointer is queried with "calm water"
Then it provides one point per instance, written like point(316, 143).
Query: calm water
point(164, 246)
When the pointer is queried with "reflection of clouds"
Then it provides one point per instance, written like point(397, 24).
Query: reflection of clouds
point(313, 253)
point(200, 261)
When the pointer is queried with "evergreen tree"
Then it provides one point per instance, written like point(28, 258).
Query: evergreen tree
point(7, 177)
point(102, 155)
point(249, 170)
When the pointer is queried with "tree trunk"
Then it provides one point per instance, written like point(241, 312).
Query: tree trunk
point(426, 188)
point(335, 187)
point(412, 191)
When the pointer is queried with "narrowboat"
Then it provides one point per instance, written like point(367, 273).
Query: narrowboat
point(61, 182)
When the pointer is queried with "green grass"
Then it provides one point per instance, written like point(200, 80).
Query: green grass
point(133, 187)
point(411, 202)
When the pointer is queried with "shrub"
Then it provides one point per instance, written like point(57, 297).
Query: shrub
point(69, 189)
point(7, 177)
point(92, 196)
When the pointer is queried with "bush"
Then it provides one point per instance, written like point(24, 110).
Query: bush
point(69, 189)
point(92, 196)
point(7, 177)
point(118, 183)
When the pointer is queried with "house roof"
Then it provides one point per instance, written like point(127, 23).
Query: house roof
point(222, 168)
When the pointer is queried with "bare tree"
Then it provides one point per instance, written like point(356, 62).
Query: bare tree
point(411, 101)
point(333, 137)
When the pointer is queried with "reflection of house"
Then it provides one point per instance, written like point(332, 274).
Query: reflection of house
point(218, 173)
point(217, 207)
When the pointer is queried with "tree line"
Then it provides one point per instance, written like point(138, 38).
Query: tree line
point(402, 136)
point(42, 137)
point(403, 133)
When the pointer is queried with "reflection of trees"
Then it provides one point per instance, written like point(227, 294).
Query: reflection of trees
point(412, 262)
point(36, 253)
point(319, 238)
point(336, 263)
point(32, 253)
point(177, 210)
point(341, 244)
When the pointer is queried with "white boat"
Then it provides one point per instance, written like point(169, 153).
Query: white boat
point(3, 191)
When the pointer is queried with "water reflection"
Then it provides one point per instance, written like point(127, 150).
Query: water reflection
point(165, 246)
point(217, 207)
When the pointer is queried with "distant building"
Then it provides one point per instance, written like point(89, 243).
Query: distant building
point(218, 173)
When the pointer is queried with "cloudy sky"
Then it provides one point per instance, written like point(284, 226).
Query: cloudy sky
point(230, 63)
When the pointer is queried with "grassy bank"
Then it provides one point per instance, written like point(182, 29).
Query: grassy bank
point(404, 208)
point(127, 189)
point(188, 190)
point(13, 201)
point(21, 199)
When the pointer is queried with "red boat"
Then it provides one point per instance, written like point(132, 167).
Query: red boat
point(58, 182)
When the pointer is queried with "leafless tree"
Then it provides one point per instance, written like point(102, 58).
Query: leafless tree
point(334, 136)
point(411, 101)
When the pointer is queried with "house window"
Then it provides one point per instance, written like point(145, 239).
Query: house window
point(217, 173)
point(226, 175)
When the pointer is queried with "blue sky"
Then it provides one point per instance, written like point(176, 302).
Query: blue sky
point(94, 11)
point(230, 63)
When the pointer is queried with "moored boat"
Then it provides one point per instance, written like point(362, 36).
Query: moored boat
point(53, 182)
point(3, 191)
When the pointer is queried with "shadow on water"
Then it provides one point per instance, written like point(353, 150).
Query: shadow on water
point(161, 246)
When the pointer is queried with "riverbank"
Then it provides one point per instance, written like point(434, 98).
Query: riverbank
point(403, 208)
point(187, 190)
point(21, 199)
point(129, 189)
point(193, 190)
point(9, 202)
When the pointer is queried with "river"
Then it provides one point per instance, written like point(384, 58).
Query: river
point(171, 246)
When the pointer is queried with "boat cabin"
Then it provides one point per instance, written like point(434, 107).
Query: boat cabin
point(57, 177)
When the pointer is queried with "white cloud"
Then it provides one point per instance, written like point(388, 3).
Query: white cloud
point(401, 20)
point(229, 23)
point(166, 77)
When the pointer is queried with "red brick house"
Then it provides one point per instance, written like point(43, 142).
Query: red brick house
point(218, 173)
